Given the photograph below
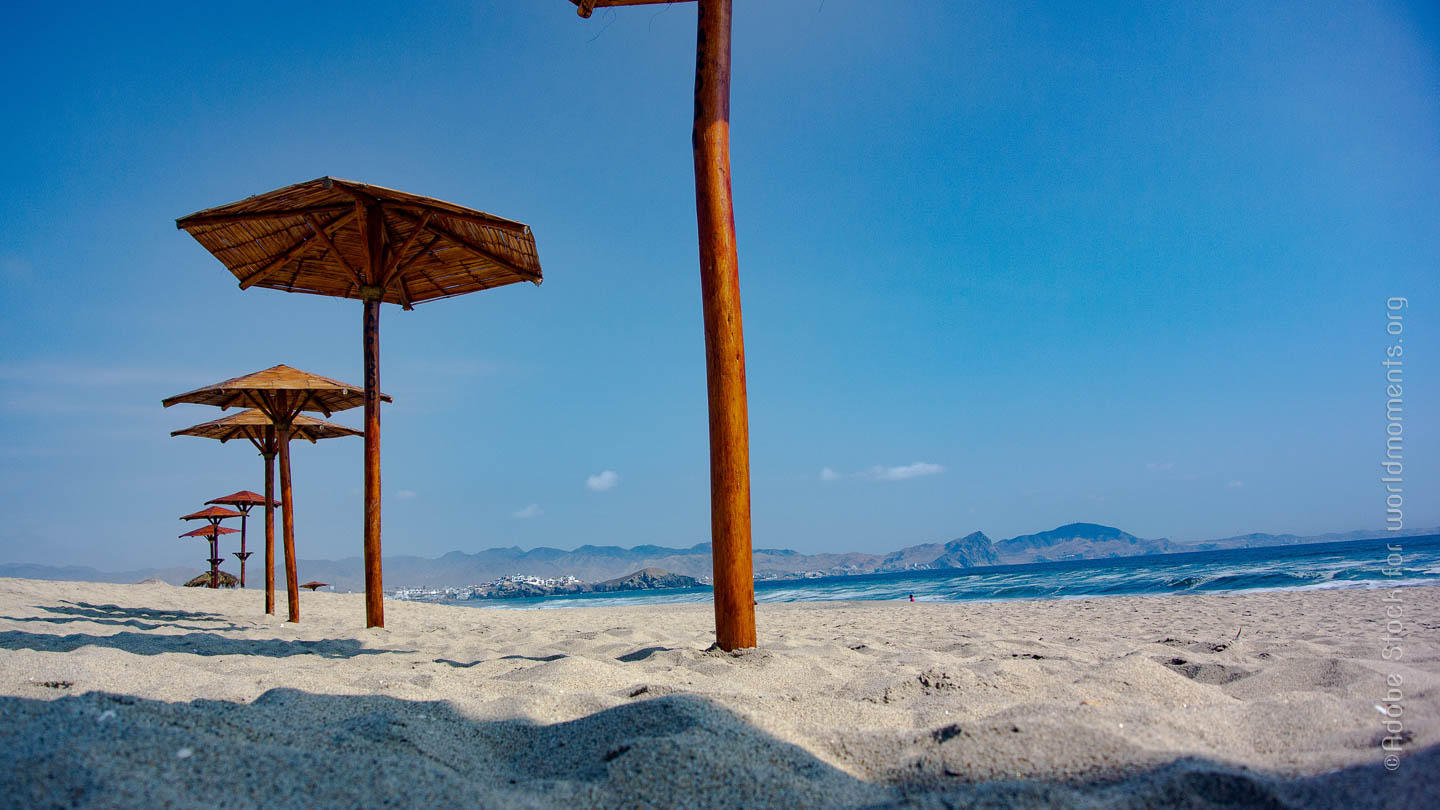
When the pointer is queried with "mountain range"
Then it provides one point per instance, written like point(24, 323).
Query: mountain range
point(1074, 541)
point(598, 564)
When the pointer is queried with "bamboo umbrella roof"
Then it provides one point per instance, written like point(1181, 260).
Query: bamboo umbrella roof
point(210, 531)
point(320, 393)
point(213, 513)
point(308, 238)
point(244, 497)
point(251, 424)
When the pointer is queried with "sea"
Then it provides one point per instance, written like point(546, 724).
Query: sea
point(1307, 566)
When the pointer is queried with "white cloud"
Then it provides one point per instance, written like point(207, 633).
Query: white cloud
point(827, 474)
point(405, 494)
point(603, 481)
point(1160, 466)
point(531, 511)
point(901, 473)
point(1235, 485)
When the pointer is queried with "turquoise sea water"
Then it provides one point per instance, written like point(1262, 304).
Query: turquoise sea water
point(1354, 564)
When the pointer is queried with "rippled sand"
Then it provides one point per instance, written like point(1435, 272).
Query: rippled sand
point(145, 695)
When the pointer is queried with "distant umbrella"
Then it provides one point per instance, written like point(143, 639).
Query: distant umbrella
point(225, 580)
point(312, 585)
point(212, 533)
point(345, 239)
point(281, 393)
point(244, 501)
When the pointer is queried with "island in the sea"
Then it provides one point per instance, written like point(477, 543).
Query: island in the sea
point(519, 586)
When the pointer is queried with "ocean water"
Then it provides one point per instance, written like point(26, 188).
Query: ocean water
point(1351, 564)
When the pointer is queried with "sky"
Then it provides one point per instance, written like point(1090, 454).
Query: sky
point(1003, 267)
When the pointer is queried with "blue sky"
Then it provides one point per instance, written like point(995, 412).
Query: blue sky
point(1003, 268)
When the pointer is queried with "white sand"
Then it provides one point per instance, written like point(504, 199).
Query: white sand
point(153, 695)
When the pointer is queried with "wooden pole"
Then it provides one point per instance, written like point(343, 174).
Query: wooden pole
point(244, 517)
point(269, 454)
point(373, 230)
point(374, 588)
point(215, 555)
point(287, 520)
point(724, 338)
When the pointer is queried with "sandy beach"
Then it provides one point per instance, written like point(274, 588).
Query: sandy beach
point(154, 695)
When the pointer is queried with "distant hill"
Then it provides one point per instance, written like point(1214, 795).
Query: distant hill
point(646, 579)
point(1079, 541)
point(599, 564)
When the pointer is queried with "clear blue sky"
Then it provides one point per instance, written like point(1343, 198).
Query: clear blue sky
point(1003, 267)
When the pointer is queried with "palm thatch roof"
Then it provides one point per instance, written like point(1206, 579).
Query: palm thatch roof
point(227, 580)
point(244, 497)
point(312, 585)
point(212, 513)
point(312, 392)
point(251, 424)
point(311, 238)
point(210, 531)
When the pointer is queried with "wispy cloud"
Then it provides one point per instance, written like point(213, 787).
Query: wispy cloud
point(405, 494)
point(881, 472)
point(602, 481)
point(1235, 485)
point(904, 471)
point(531, 511)
point(1160, 466)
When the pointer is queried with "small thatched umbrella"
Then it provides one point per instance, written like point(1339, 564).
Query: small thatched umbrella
point(226, 580)
point(724, 338)
point(281, 393)
point(256, 427)
point(312, 585)
point(353, 240)
point(212, 533)
point(243, 501)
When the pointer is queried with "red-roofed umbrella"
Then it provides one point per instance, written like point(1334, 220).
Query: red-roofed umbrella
point(244, 501)
point(213, 532)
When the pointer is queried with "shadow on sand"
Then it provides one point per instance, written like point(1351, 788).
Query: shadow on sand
point(117, 612)
point(135, 623)
point(99, 749)
point(540, 658)
point(193, 643)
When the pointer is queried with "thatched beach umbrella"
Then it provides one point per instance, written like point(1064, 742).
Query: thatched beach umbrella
point(212, 533)
point(724, 338)
point(226, 580)
point(255, 427)
point(281, 393)
point(312, 585)
point(243, 501)
point(352, 240)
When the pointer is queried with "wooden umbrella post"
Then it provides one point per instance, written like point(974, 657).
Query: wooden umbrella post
point(372, 229)
point(724, 337)
point(269, 454)
point(374, 588)
point(243, 554)
point(214, 557)
point(287, 522)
